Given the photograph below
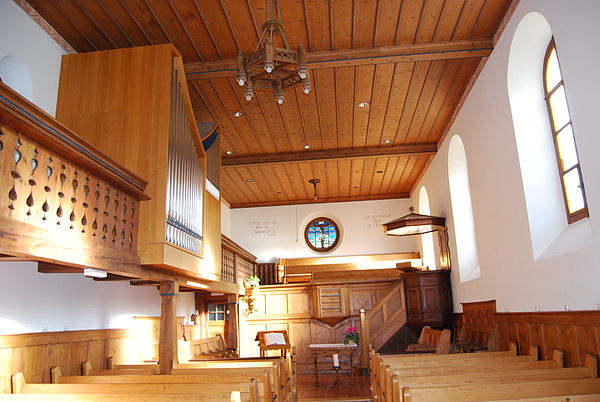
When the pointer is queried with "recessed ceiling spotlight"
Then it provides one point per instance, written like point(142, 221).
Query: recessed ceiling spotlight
point(238, 114)
point(229, 153)
point(249, 180)
point(363, 104)
point(380, 171)
point(307, 146)
point(355, 187)
point(387, 141)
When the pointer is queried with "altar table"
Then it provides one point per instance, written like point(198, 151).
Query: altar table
point(329, 349)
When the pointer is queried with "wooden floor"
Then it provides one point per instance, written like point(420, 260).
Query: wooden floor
point(346, 390)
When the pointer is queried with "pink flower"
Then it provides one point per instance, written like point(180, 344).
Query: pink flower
point(350, 330)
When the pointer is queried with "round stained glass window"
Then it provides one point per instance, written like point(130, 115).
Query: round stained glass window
point(322, 234)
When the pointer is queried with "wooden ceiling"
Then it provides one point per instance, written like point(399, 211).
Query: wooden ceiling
point(411, 60)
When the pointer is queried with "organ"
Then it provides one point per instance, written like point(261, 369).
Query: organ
point(134, 105)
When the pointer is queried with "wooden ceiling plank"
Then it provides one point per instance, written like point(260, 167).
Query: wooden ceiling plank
point(344, 177)
point(289, 113)
point(276, 125)
point(265, 181)
point(319, 200)
point(429, 88)
point(126, 23)
point(356, 176)
point(429, 20)
point(246, 34)
point(367, 176)
point(193, 24)
point(144, 18)
point(376, 24)
point(253, 186)
point(234, 188)
point(389, 173)
point(439, 99)
point(172, 27)
point(306, 174)
point(363, 92)
point(190, 31)
point(366, 11)
point(406, 171)
point(331, 172)
point(418, 167)
point(466, 70)
point(384, 74)
point(331, 25)
point(92, 32)
point(344, 96)
point(309, 113)
point(295, 177)
point(228, 20)
point(360, 57)
point(209, 33)
point(317, 16)
point(231, 102)
point(348, 153)
point(319, 171)
point(414, 92)
point(389, 12)
point(309, 45)
point(254, 23)
point(288, 190)
point(468, 18)
point(201, 110)
point(489, 18)
point(342, 24)
point(408, 21)
point(398, 93)
point(294, 22)
point(63, 26)
point(214, 18)
point(380, 166)
point(448, 20)
point(105, 22)
point(325, 82)
point(228, 129)
point(256, 127)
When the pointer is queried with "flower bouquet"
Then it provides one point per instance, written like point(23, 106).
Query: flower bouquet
point(351, 335)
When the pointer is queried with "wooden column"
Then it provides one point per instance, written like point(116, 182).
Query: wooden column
point(167, 348)
point(231, 325)
point(364, 344)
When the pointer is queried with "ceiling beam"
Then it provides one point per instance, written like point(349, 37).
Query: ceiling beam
point(358, 57)
point(294, 157)
point(319, 200)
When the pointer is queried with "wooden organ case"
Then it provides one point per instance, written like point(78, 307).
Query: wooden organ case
point(134, 105)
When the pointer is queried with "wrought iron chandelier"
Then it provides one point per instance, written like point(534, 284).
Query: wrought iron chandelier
point(271, 67)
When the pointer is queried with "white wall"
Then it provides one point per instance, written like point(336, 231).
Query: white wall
point(509, 272)
point(225, 218)
point(34, 302)
point(278, 232)
point(22, 38)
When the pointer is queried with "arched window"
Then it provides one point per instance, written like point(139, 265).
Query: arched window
point(462, 211)
point(427, 238)
point(564, 140)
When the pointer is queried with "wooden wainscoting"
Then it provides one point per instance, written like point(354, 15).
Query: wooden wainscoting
point(35, 353)
point(290, 307)
point(574, 332)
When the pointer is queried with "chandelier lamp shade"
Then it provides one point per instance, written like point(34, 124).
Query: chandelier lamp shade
point(271, 67)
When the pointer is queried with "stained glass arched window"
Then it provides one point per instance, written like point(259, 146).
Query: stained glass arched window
point(322, 234)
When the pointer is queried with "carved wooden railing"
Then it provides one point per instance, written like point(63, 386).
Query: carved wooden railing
point(383, 320)
point(61, 200)
point(237, 264)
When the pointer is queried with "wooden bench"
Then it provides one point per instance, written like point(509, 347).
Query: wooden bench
point(511, 391)
point(247, 391)
point(432, 341)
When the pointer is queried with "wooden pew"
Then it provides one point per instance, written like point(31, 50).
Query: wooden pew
point(205, 392)
point(114, 398)
point(485, 378)
point(209, 377)
point(509, 391)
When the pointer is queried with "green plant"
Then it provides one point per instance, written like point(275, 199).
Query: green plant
point(351, 335)
point(252, 281)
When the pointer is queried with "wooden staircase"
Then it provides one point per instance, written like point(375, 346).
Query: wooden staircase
point(384, 320)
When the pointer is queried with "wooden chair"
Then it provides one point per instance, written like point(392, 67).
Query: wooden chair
point(432, 341)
